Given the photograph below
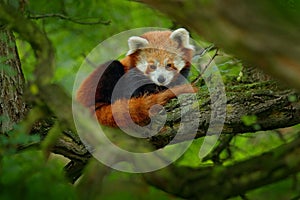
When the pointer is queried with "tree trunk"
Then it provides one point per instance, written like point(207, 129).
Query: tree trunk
point(12, 105)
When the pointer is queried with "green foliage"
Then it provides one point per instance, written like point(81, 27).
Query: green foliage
point(101, 182)
point(131, 187)
point(229, 68)
point(27, 175)
point(27, 59)
point(249, 120)
point(9, 144)
point(191, 156)
point(74, 41)
point(293, 98)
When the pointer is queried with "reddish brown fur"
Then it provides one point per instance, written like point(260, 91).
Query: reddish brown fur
point(129, 61)
point(86, 92)
point(138, 107)
point(161, 42)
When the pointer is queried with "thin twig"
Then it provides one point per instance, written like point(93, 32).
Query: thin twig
point(91, 63)
point(205, 50)
point(206, 66)
point(64, 17)
point(224, 145)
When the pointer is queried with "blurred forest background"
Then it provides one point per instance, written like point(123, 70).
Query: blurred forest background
point(256, 157)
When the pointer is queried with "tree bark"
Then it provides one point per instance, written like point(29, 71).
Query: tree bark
point(270, 103)
point(12, 105)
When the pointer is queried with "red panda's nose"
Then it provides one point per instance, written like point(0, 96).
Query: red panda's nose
point(161, 79)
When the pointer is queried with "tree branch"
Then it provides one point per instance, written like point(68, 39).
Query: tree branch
point(64, 17)
point(269, 103)
point(222, 182)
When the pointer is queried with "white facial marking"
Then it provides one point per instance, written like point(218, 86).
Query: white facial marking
point(142, 65)
point(156, 63)
point(179, 63)
point(161, 76)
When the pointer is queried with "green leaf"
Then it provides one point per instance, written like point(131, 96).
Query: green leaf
point(249, 120)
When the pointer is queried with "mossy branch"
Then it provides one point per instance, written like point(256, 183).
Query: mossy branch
point(274, 107)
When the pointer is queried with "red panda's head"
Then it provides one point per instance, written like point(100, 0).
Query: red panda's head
point(161, 55)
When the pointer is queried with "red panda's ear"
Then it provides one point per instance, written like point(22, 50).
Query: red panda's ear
point(136, 43)
point(182, 37)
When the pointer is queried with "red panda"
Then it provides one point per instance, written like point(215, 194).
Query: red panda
point(156, 62)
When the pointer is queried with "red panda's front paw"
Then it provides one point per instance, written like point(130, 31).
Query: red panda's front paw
point(186, 88)
point(164, 97)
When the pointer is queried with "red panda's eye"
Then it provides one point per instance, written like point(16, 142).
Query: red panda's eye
point(169, 66)
point(153, 67)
